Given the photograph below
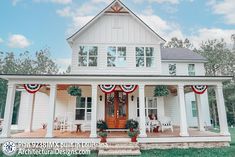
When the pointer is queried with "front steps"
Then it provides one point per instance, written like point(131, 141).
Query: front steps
point(119, 148)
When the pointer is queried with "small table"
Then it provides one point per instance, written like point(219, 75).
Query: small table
point(155, 124)
point(78, 127)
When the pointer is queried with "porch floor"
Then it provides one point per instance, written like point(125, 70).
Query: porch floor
point(193, 132)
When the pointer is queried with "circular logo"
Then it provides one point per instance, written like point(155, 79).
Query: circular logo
point(9, 148)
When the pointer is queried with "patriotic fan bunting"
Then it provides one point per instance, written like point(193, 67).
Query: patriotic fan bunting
point(128, 88)
point(107, 88)
point(32, 88)
point(199, 89)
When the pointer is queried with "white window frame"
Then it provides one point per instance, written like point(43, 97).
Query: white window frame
point(174, 64)
point(88, 56)
point(191, 73)
point(147, 108)
point(117, 56)
point(145, 57)
point(85, 108)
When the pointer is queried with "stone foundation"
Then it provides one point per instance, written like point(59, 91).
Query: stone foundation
point(183, 145)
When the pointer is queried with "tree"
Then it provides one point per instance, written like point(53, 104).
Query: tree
point(178, 43)
point(24, 64)
point(221, 61)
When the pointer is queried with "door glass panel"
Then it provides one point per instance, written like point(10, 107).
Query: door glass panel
point(122, 101)
point(110, 104)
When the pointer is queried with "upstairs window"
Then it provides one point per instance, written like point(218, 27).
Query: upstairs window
point(88, 56)
point(172, 69)
point(191, 69)
point(144, 56)
point(116, 56)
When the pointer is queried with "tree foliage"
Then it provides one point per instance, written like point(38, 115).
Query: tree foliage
point(41, 63)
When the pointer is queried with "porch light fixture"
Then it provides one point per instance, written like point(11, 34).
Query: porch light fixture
point(101, 97)
point(132, 98)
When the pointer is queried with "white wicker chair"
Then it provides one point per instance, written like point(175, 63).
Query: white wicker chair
point(166, 123)
point(147, 123)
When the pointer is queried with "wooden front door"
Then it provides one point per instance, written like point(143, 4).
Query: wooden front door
point(116, 109)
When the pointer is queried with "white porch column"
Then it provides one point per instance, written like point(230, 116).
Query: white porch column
point(29, 121)
point(51, 110)
point(221, 110)
point(142, 111)
point(6, 130)
point(94, 111)
point(183, 117)
point(200, 113)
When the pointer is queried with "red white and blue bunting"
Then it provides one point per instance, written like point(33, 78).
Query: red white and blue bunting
point(128, 88)
point(111, 88)
point(107, 88)
point(199, 89)
point(32, 88)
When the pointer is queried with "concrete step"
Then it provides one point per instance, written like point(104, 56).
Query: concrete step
point(119, 147)
point(114, 148)
point(119, 152)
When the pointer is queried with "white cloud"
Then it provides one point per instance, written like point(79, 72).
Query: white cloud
point(14, 2)
point(18, 41)
point(63, 63)
point(65, 12)
point(205, 34)
point(1, 40)
point(148, 11)
point(225, 8)
point(102, 1)
point(165, 1)
point(55, 1)
point(61, 1)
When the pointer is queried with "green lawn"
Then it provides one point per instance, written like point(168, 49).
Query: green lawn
point(192, 152)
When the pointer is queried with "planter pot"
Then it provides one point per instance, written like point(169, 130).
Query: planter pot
point(134, 139)
point(103, 139)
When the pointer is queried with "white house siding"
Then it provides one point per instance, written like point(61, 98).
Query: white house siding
point(172, 108)
point(182, 68)
point(111, 30)
point(23, 110)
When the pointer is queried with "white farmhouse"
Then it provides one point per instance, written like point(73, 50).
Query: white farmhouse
point(117, 62)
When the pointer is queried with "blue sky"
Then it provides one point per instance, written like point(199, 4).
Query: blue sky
point(31, 25)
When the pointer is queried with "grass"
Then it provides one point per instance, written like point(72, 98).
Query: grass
point(191, 152)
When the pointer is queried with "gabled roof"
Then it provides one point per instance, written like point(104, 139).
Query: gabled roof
point(70, 39)
point(181, 54)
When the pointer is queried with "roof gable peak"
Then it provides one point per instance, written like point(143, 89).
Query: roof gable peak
point(115, 7)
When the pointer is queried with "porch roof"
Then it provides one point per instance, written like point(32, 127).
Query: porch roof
point(109, 79)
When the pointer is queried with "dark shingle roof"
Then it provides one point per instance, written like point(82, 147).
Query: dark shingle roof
point(181, 54)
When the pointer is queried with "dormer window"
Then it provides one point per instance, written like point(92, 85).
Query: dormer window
point(172, 69)
point(144, 56)
point(191, 69)
point(116, 56)
point(88, 56)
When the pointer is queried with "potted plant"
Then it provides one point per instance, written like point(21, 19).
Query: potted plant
point(132, 124)
point(75, 91)
point(161, 90)
point(133, 135)
point(101, 125)
point(103, 135)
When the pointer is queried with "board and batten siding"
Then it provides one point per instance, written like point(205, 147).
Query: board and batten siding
point(113, 30)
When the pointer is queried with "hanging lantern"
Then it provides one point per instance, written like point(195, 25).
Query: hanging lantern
point(107, 88)
point(32, 88)
point(199, 89)
point(128, 88)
